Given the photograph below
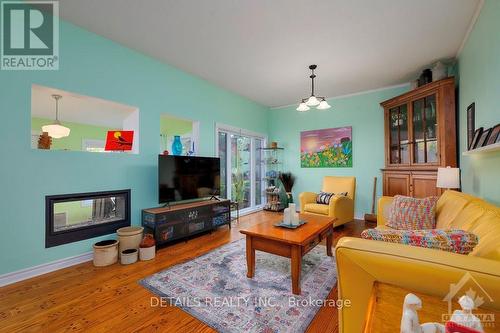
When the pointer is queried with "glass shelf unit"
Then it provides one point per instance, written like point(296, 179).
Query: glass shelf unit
point(272, 158)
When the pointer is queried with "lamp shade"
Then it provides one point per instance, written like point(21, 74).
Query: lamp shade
point(56, 130)
point(312, 101)
point(448, 178)
point(323, 105)
point(302, 107)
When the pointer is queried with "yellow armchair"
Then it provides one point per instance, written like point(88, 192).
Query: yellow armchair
point(340, 207)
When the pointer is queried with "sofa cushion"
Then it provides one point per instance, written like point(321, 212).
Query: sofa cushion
point(412, 213)
point(487, 227)
point(457, 241)
point(316, 208)
point(449, 205)
point(323, 198)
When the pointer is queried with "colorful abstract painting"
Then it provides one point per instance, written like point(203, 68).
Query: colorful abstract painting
point(326, 148)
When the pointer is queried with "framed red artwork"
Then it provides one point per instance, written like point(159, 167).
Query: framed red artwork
point(119, 140)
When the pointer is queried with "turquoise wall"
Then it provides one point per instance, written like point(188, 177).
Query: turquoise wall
point(479, 70)
point(364, 114)
point(94, 66)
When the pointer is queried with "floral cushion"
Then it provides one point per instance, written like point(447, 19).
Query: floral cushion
point(412, 213)
point(454, 240)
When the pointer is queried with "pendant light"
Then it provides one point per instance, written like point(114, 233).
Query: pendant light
point(319, 102)
point(56, 130)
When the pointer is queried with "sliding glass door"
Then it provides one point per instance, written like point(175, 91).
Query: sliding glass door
point(241, 166)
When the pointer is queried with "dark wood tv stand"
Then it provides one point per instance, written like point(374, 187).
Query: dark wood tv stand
point(180, 221)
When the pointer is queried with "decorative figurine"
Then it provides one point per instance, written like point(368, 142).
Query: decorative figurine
point(465, 317)
point(409, 319)
point(44, 141)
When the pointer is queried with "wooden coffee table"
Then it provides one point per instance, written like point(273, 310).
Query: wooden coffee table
point(290, 243)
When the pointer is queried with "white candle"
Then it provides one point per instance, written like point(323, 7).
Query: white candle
point(294, 217)
point(286, 216)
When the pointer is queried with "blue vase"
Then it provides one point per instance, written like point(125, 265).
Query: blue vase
point(177, 145)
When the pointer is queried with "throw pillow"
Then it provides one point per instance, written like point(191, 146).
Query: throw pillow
point(341, 194)
point(323, 198)
point(454, 240)
point(412, 213)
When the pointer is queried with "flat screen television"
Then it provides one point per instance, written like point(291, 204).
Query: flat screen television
point(183, 178)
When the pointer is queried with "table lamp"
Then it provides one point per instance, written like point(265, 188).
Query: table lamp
point(448, 178)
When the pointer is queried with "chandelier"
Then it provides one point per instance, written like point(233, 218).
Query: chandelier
point(319, 102)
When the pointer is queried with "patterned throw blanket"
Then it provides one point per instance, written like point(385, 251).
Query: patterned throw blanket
point(454, 240)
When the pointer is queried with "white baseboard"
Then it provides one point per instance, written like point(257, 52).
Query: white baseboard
point(27, 273)
point(359, 216)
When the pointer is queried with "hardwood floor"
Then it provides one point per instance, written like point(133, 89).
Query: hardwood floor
point(84, 298)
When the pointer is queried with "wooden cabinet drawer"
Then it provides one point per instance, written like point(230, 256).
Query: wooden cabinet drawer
point(311, 244)
point(325, 233)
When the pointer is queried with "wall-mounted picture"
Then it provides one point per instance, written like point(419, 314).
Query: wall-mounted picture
point(483, 139)
point(471, 117)
point(477, 134)
point(326, 148)
point(494, 136)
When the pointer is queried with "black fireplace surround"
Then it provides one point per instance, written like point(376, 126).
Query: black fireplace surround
point(99, 213)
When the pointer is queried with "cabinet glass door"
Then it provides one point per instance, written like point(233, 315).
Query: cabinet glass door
point(398, 118)
point(425, 130)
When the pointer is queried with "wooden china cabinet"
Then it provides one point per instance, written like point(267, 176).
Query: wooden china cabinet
point(420, 136)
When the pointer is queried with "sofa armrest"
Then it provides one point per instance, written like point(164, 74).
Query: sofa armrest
point(383, 210)
point(361, 263)
point(342, 208)
point(305, 198)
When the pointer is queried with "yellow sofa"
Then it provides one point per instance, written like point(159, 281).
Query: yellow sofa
point(340, 207)
point(361, 263)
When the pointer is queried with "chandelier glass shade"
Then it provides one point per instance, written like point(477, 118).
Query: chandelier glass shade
point(56, 130)
point(303, 107)
point(312, 101)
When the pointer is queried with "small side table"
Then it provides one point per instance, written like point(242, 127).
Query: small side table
point(236, 206)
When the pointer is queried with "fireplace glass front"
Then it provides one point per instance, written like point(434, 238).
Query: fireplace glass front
point(80, 216)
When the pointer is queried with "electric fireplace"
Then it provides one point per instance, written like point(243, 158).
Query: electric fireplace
point(74, 217)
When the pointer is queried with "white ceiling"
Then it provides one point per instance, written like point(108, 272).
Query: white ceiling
point(78, 108)
point(261, 48)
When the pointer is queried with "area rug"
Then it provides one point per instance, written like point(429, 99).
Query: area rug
point(214, 289)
